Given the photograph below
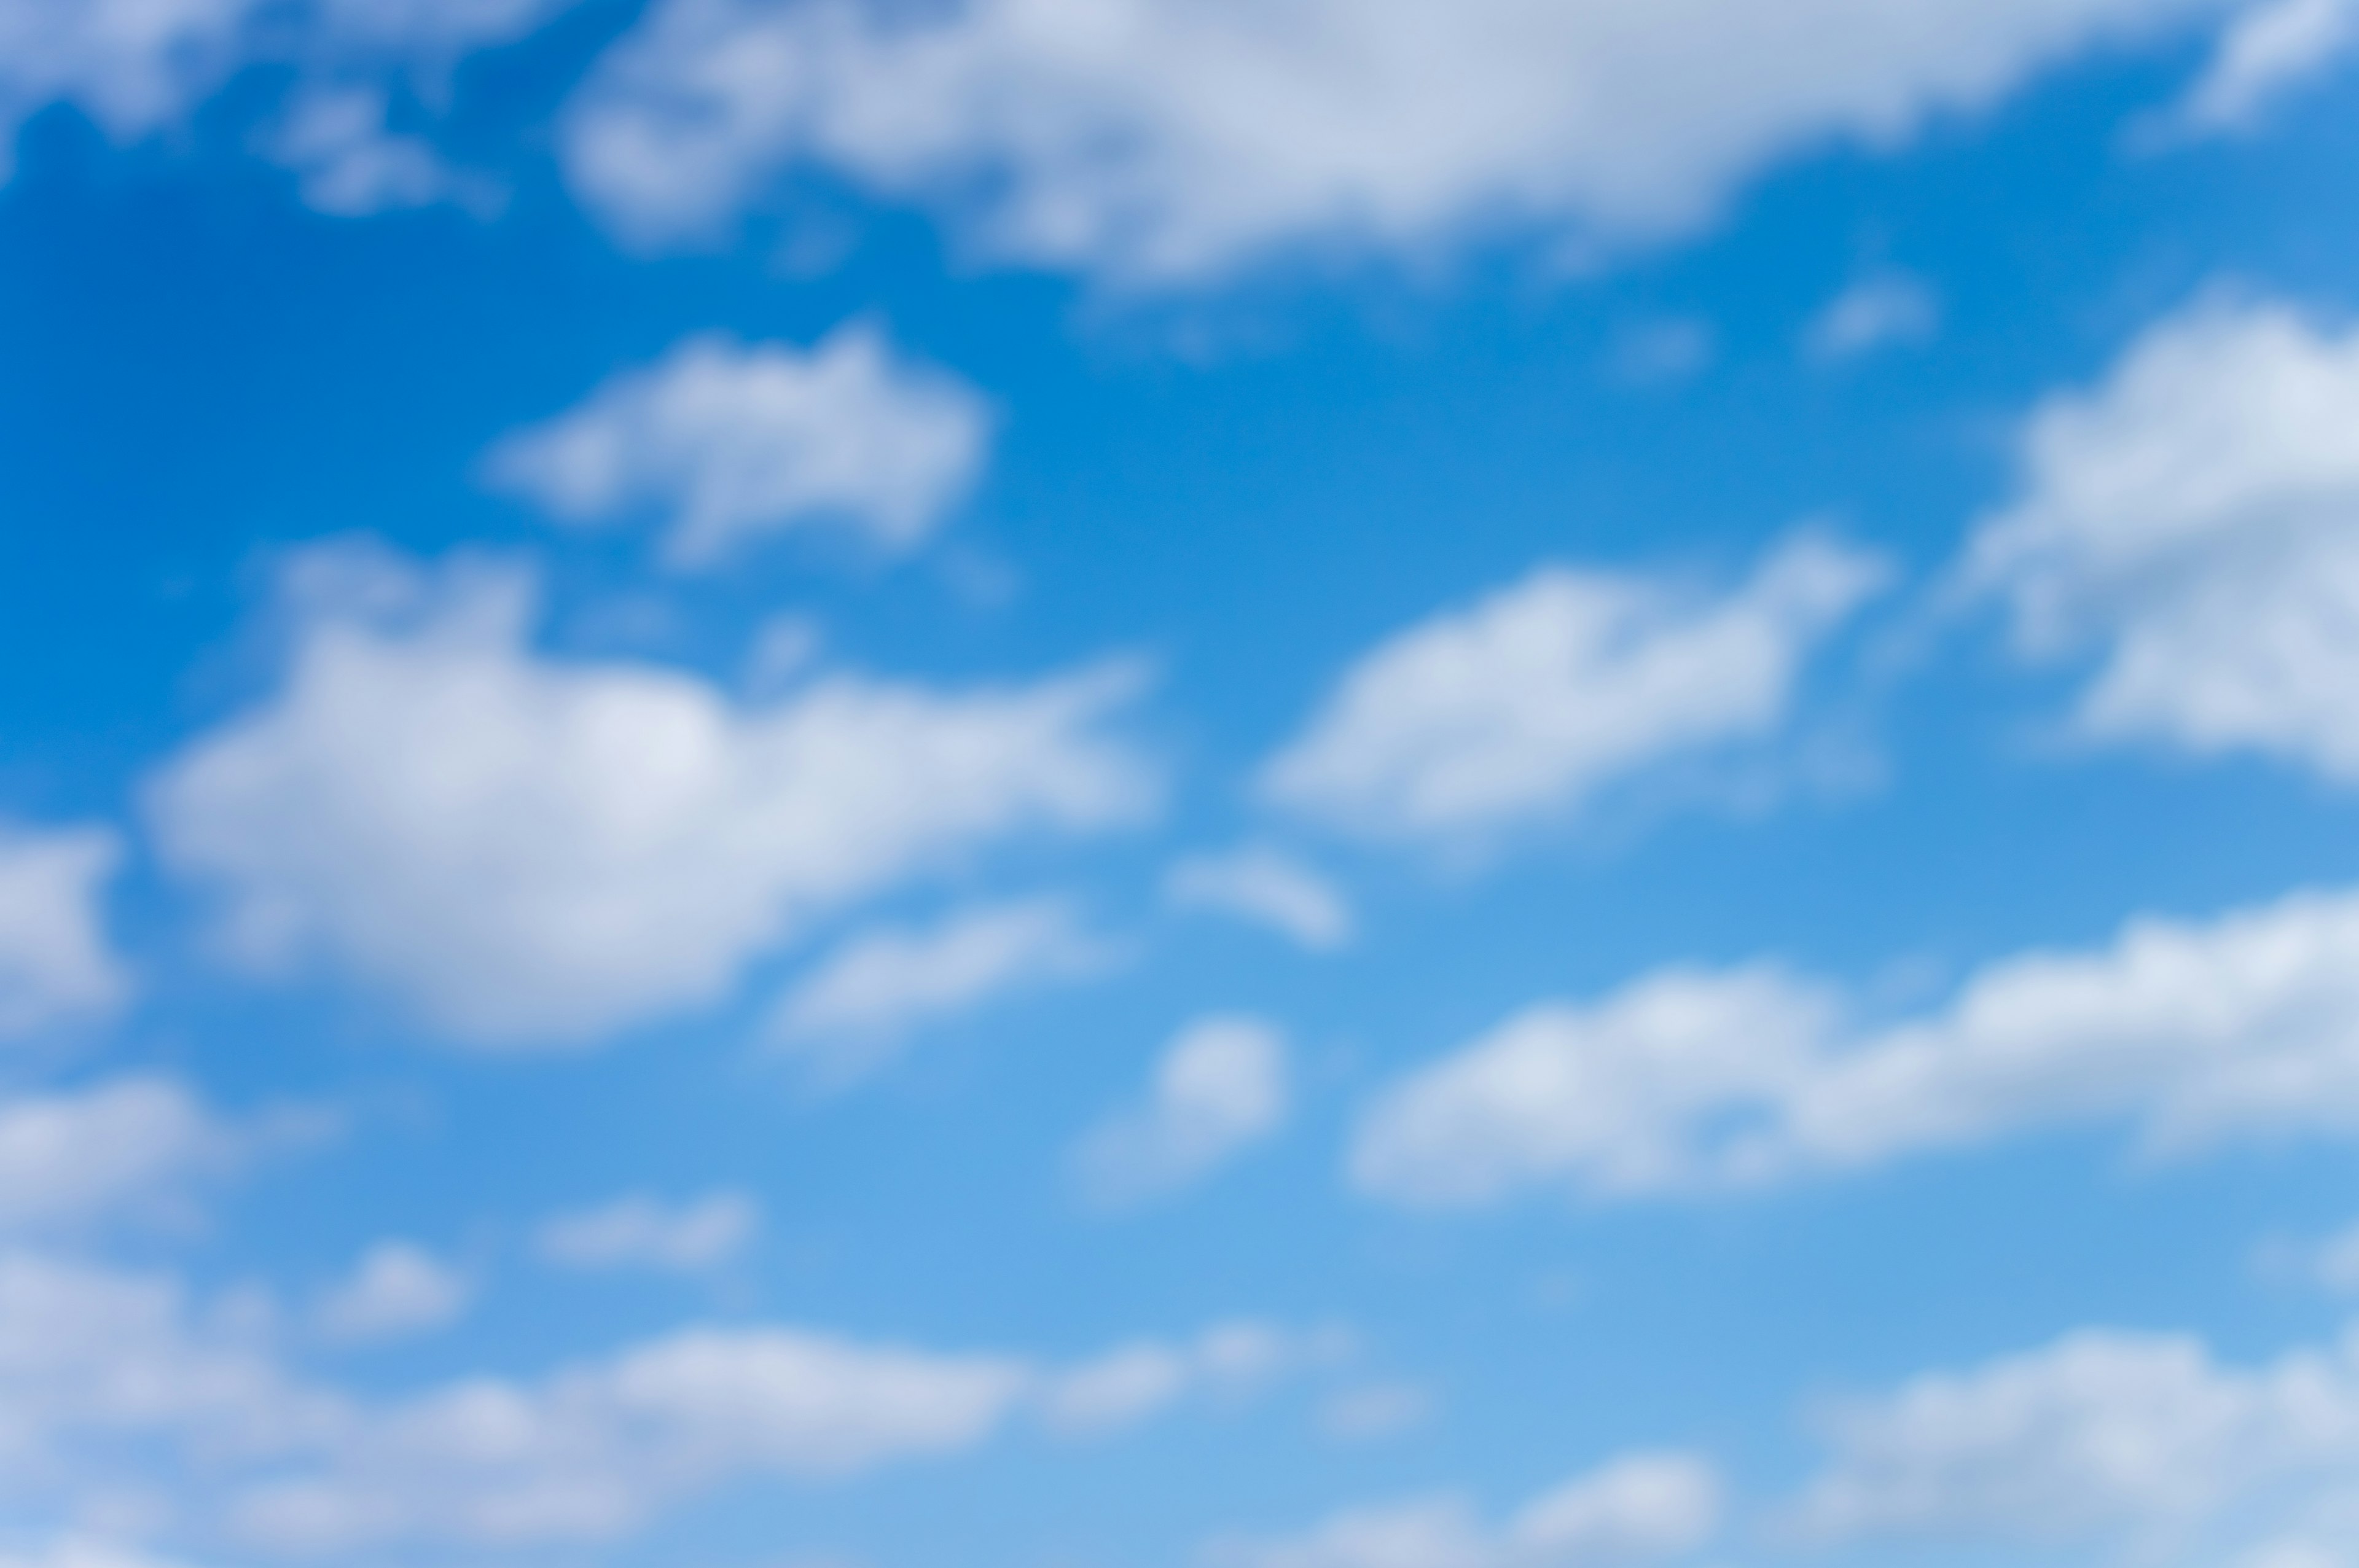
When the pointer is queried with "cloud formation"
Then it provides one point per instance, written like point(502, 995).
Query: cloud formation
point(127, 1148)
point(1640, 1509)
point(2245, 1026)
point(57, 965)
point(1218, 1089)
point(1154, 142)
point(2141, 1442)
point(642, 1232)
point(2193, 522)
point(115, 1383)
point(1524, 706)
point(538, 852)
point(860, 1001)
point(725, 443)
point(1265, 887)
point(396, 1291)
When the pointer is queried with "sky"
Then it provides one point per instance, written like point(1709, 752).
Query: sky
point(1123, 784)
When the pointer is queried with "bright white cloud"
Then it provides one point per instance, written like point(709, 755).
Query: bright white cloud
point(2140, 1440)
point(2245, 1026)
point(1155, 141)
point(56, 963)
point(861, 1000)
point(1219, 1088)
point(1266, 887)
point(2194, 519)
point(1526, 705)
point(726, 443)
point(534, 851)
point(642, 1232)
point(396, 1291)
point(2272, 50)
point(1887, 310)
point(129, 1147)
point(1640, 1509)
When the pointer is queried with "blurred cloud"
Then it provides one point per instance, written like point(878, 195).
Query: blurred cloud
point(1218, 1089)
point(537, 852)
point(1525, 705)
point(2193, 522)
point(1265, 887)
point(726, 443)
point(57, 964)
point(642, 1232)
point(2242, 1027)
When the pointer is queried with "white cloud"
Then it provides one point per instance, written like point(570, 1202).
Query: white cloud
point(641, 1232)
point(728, 442)
point(593, 1450)
point(1885, 310)
point(2245, 1026)
point(1529, 703)
point(1640, 1509)
point(137, 67)
point(1218, 1089)
point(2140, 1440)
point(128, 1147)
point(114, 1383)
point(534, 851)
point(2270, 51)
point(1227, 1362)
point(1155, 141)
point(2195, 520)
point(57, 966)
point(1268, 888)
point(396, 1291)
point(350, 165)
point(863, 998)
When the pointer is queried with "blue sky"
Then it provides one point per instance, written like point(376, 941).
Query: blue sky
point(1097, 783)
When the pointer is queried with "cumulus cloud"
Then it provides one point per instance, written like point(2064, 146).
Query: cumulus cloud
point(125, 1148)
point(1640, 1509)
point(642, 1232)
point(1219, 1088)
point(57, 965)
point(1885, 310)
point(112, 1382)
point(1528, 704)
point(534, 851)
point(863, 998)
point(2142, 1441)
point(2272, 50)
point(1154, 141)
point(2193, 521)
point(1265, 887)
point(2245, 1027)
point(726, 443)
point(396, 1291)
